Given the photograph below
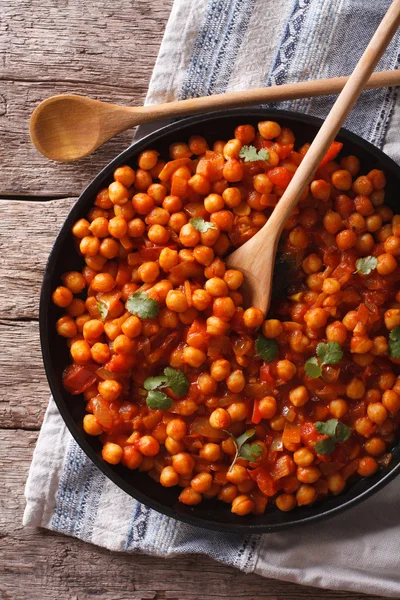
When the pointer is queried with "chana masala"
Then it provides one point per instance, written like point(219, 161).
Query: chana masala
point(181, 380)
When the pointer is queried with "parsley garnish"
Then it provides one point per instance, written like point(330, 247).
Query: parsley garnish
point(158, 400)
point(328, 354)
point(201, 225)
point(102, 308)
point(394, 342)
point(266, 349)
point(141, 305)
point(364, 266)
point(251, 452)
point(337, 432)
point(173, 378)
point(250, 154)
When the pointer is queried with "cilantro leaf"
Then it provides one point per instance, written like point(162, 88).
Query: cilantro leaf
point(327, 427)
point(342, 432)
point(394, 342)
point(141, 305)
point(172, 378)
point(250, 154)
point(313, 368)
point(177, 381)
point(266, 349)
point(330, 353)
point(325, 446)
point(152, 383)
point(201, 225)
point(158, 400)
point(244, 450)
point(364, 266)
point(102, 308)
point(251, 452)
point(337, 432)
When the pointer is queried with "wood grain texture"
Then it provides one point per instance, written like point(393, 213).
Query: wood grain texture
point(38, 564)
point(49, 47)
point(27, 233)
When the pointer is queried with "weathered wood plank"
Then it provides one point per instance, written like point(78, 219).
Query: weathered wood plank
point(24, 390)
point(42, 565)
point(27, 232)
point(80, 46)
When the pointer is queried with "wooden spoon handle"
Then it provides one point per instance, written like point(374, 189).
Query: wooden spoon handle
point(274, 93)
point(336, 117)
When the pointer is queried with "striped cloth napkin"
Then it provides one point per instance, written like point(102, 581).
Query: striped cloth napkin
point(210, 47)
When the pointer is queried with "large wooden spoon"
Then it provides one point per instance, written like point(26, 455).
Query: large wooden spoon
point(68, 127)
point(256, 257)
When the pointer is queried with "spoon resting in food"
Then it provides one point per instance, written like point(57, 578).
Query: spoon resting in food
point(256, 258)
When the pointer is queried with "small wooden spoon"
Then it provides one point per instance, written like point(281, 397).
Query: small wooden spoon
point(69, 127)
point(256, 257)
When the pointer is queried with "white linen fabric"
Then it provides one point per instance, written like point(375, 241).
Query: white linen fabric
point(212, 46)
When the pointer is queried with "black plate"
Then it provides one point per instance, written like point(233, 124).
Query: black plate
point(210, 514)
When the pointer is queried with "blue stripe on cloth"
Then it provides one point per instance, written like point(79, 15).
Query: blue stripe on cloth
point(216, 47)
point(320, 29)
point(78, 495)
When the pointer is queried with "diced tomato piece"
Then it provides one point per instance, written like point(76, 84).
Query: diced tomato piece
point(261, 502)
point(280, 176)
point(256, 416)
point(120, 363)
point(266, 375)
point(266, 484)
point(201, 426)
point(211, 165)
point(197, 335)
point(110, 299)
point(196, 209)
point(332, 153)
point(124, 274)
point(283, 467)
point(102, 412)
point(184, 271)
point(179, 186)
point(78, 378)
point(171, 166)
point(291, 434)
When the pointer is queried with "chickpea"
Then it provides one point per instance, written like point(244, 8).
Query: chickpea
point(367, 466)
point(351, 163)
point(109, 248)
point(62, 296)
point(332, 222)
point(117, 227)
point(303, 457)
point(306, 494)
point(386, 264)
point(299, 238)
point(132, 327)
point(245, 133)
point(190, 497)
point(299, 396)
point(216, 326)
point(189, 236)
point(338, 408)
point(269, 129)
point(386, 380)
point(183, 463)
point(377, 412)
point(124, 345)
point(331, 286)
point(91, 426)
point(308, 474)
point(193, 356)
point(112, 453)
point(392, 318)
point(342, 179)
point(216, 269)
point(125, 175)
point(336, 332)
point(233, 279)
point(336, 483)
point(176, 429)
point(365, 427)
point(375, 446)
point(277, 423)
point(66, 327)
point(391, 401)
point(100, 353)
point(272, 328)
point(355, 390)
point(238, 411)
point(201, 299)
point(148, 446)
point(201, 482)
point(81, 228)
point(267, 407)
point(173, 447)
point(232, 197)
point(158, 234)
point(220, 419)
point(286, 370)
point(216, 287)
point(316, 318)
point(235, 383)
point(350, 320)
point(206, 384)
point(118, 193)
point(131, 457)
point(346, 239)
point(237, 474)
point(311, 264)
point(169, 477)
point(110, 389)
point(220, 369)
point(148, 271)
point(286, 502)
point(80, 352)
point(242, 505)
point(373, 223)
point(74, 281)
point(320, 189)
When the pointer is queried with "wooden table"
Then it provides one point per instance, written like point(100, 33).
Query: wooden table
point(105, 50)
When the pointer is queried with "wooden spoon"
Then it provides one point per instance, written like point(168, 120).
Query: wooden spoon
point(256, 257)
point(68, 127)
